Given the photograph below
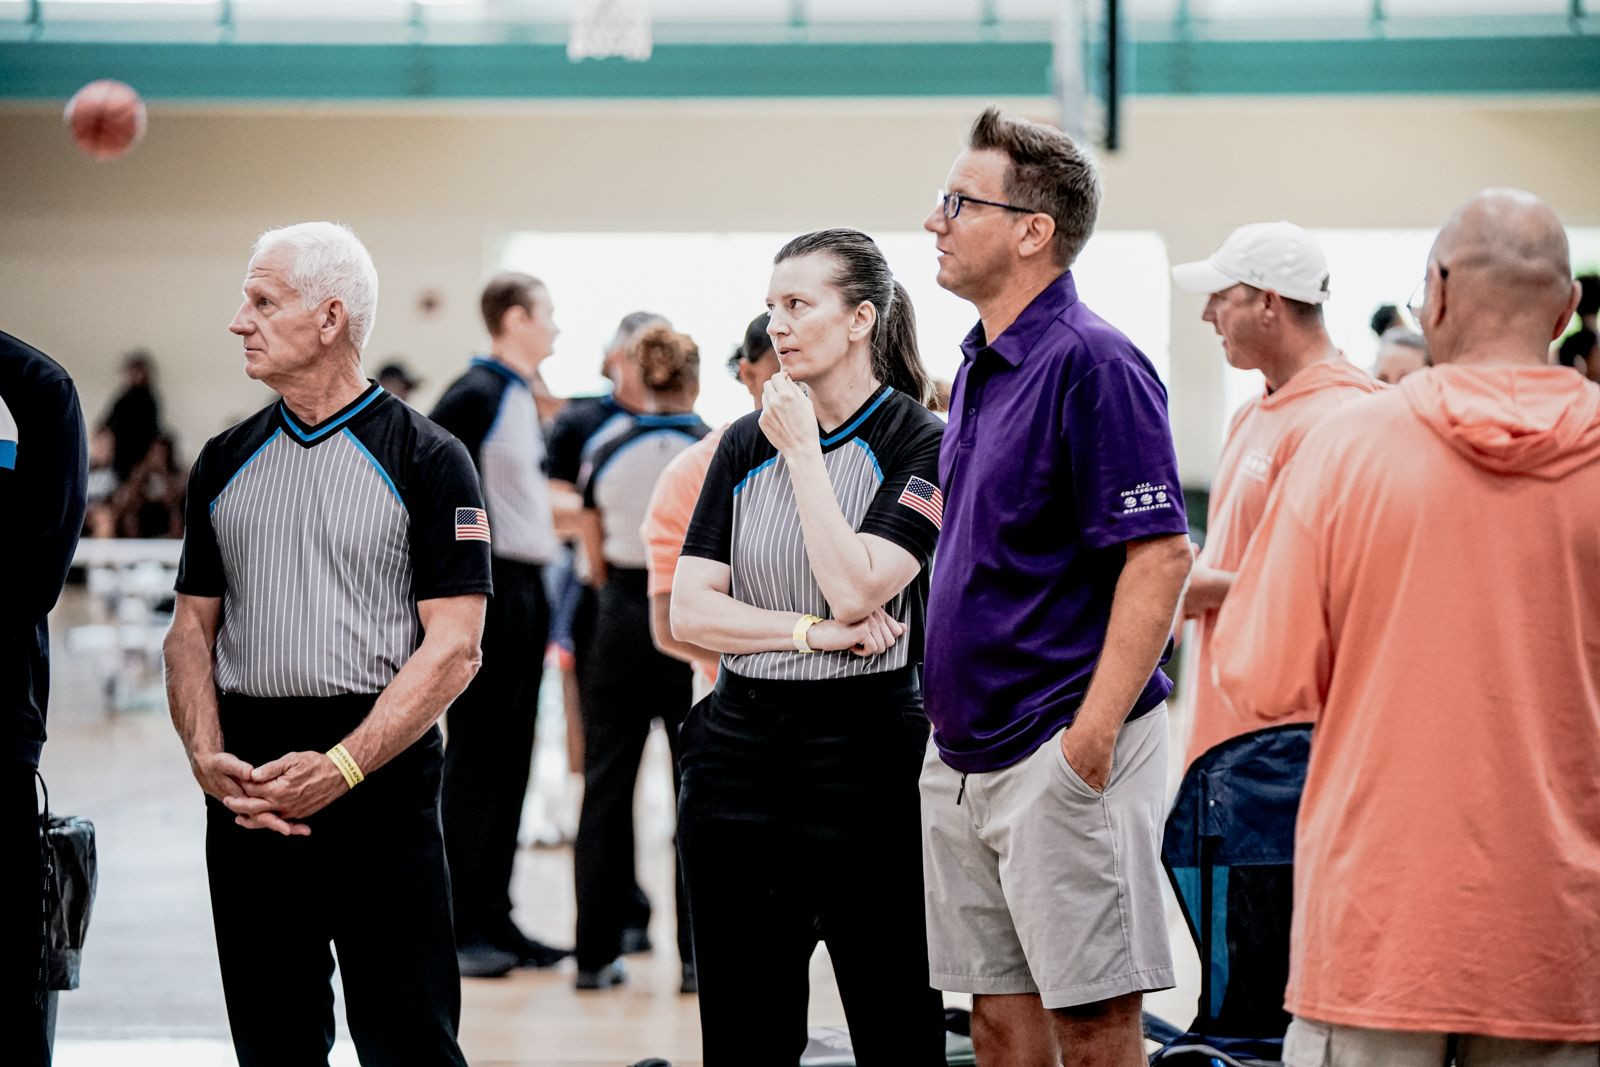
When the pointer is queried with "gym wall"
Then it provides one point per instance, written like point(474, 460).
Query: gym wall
point(150, 250)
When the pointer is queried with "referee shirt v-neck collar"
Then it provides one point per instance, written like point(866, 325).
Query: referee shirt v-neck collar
point(856, 421)
point(308, 436)
point(501, 368)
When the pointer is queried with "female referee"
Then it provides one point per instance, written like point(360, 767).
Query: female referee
point(627, 682)
point(806, 567)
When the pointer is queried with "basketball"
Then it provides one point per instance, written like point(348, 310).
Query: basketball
point(107, 118)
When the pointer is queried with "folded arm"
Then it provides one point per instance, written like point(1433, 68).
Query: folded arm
point(856, 572)
point(705, 613)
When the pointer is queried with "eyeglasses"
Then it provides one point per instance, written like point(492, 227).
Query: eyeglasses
point(1419, 296)
point(950, 204)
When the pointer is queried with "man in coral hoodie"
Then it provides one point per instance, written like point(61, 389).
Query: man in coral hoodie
point(1432, 553)
point(1265, 286)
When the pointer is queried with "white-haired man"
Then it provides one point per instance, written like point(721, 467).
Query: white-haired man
point(330, 604)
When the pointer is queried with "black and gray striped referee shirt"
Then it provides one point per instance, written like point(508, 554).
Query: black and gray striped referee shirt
point(321, 539)
point(884, 465)
point(491, 410)
point(620, 470)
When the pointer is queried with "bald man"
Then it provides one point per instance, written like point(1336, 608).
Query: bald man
point(1433, 550)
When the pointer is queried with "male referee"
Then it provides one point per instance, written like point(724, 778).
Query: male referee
point(330, 605)
point(491, 410)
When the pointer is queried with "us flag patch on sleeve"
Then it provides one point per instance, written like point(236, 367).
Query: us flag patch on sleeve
point(925, 498)
point(472, 524)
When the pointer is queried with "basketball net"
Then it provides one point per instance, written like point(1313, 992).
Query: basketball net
point(604, 28)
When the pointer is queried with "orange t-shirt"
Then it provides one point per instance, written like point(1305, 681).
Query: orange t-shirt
point(1425, 587)
point(1262, 438)
point(666, 520)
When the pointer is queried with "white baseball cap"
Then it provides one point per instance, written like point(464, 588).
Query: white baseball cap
point(1279, 256)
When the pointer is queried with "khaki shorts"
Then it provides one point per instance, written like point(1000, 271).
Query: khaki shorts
point(1038, 884)
point(1312, 1044)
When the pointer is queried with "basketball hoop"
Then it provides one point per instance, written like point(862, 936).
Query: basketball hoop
point(602, 29)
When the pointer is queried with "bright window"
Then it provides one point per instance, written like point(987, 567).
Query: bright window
point(712, 284)
point(1371, 268)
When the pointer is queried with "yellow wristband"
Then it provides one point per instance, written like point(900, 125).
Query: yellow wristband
point(803, 627)
point(347, 766)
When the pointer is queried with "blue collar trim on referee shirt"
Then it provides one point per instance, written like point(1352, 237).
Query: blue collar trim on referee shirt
point(376, 465)
point(871, 455)
point(321, 432)
point(500, 368)
point(753, 472)
point(872, 458)
point(859, 419)
point(668, 421)
point(275, 435)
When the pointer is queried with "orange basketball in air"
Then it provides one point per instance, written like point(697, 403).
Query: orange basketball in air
point(107, 118)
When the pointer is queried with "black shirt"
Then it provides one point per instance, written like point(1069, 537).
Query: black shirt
point(321, 539)
point(491, 410)
point(134, 421)
point(884, 465)
point(580, 420)
point(44, 474)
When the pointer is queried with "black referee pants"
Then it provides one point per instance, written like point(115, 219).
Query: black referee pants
point(489, 755)
point(584, 615)
point(24, 1033)
point(370, 881)
point(627, 684)
point(799, 821)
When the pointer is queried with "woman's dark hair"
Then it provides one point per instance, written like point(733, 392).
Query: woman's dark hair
point(756, 344)
point(668, 361)
point(1589, 294)
point(1386, 318)
point(864, 275)
point(1579, 343)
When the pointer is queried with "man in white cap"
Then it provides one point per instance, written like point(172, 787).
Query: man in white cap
point(1265, 286)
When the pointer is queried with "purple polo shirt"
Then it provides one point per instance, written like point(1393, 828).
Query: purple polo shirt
point(1058, 450)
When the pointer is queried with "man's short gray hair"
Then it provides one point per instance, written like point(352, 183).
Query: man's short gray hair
point(328, 261)
point(632, 324)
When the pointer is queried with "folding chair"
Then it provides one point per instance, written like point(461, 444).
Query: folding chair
point(1229, 850)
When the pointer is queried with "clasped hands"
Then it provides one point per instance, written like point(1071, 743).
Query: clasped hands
point(274, 796)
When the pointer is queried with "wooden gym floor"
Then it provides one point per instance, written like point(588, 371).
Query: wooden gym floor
point(151, 993)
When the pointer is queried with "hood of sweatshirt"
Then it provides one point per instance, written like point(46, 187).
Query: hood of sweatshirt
point(1538, 421)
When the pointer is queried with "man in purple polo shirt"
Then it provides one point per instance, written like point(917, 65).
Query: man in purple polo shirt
point(1060, 565)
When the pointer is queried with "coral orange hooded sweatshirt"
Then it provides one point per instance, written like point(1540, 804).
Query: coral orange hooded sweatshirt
point(1262, 439)
point(1425, 586)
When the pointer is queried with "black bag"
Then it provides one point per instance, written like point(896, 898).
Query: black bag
point(70, 879)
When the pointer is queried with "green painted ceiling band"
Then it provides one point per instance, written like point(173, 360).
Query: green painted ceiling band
point(49, 70)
